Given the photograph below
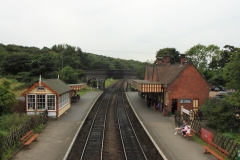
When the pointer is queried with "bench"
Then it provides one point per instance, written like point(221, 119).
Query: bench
point(28, 138)
point(192, 133)
point(215, 150)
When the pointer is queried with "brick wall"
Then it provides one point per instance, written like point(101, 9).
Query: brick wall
point(189, 85)
point(20, 107)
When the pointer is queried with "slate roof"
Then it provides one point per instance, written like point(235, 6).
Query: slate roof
point(167, 73)
point(57, 85)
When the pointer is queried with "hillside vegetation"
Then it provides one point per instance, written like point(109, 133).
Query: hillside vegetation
point(26, 64)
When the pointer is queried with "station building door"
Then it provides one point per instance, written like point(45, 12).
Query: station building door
point(174, 105)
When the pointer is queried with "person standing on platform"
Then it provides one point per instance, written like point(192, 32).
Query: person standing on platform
point(154, 104)
point(160, 106)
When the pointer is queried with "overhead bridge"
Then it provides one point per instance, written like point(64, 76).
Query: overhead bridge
point(102, 75)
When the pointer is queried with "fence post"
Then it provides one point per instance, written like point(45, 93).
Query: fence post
point(191, 116)
point(181, 113)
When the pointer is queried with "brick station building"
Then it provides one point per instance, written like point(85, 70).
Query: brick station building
point(174, 85)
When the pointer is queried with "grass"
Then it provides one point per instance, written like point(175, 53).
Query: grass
point(14, 84)
point(199, 140)
point(110, 81)
point(85, 90)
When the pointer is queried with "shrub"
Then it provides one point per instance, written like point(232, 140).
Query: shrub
point(8, 122)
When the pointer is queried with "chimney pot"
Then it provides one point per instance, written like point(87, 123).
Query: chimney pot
point(166, 59)
point(159, 60)
point(182, 59)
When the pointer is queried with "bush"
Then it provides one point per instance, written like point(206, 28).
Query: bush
point(8, 122)
point(220, 114)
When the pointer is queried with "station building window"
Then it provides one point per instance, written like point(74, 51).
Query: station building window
point(63, 100)
point(51, 102)
point(195, 104)
point(41, 101)
point(31, 101)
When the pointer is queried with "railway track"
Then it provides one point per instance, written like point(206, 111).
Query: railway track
point(131, 145)
point(110, 132)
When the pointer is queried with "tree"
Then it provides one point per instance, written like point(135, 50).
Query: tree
point(42, 65)
point(217, 64)
point(172, 52)
point(141, 69)
point(16, 62)
point(69, 75)
point(231, 73)
point(219, 114)
point(3, 52)
point(201, 56)
point(7, 98)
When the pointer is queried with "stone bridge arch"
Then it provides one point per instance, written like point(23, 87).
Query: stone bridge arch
point(102, 75)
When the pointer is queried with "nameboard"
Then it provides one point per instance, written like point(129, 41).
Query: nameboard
point(185, 100)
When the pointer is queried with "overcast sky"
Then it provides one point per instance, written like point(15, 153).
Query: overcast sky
point(125, 29)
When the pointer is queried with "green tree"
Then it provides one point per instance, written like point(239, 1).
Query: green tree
point(172, 52)
point(68, 55)
point(69, 75)
point(141, 69)
point(42, 65)
point(3, 52)
point(7, 98)
point(16, 62)
point(231, 73)
point(217, 64)
point(219, 114)
point(201, 56)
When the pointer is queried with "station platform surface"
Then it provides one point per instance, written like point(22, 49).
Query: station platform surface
point(54, 141)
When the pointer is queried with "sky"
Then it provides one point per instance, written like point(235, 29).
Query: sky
point(125, 29)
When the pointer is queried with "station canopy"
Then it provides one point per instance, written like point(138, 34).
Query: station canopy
point(147, 86)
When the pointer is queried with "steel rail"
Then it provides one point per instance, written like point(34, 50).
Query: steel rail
point(131, 145)
point(94, 143)
point(142, 151)
point(93, 146)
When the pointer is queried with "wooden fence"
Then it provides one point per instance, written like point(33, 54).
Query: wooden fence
point(229, 145)
point(13, 140)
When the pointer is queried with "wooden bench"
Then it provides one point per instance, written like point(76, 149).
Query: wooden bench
point(28, 138)
point(215, 150)
point(192, 133)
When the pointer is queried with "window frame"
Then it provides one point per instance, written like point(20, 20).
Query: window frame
point(40, 102)
point(32, 102)
point(51, 100)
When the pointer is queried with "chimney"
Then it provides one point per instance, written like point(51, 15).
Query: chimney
point(166, 59)
point(182, 59)
point(159, 60)
point(40, 81)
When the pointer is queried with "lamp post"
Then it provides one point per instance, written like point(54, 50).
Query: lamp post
point(97, 83)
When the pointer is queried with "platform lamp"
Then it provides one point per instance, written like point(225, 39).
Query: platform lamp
point(97, 83)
